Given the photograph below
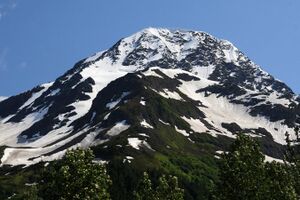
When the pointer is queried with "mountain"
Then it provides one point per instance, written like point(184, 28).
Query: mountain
point(2, 98)
point(152, 95)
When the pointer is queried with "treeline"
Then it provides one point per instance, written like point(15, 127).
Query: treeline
point(78, 177)
point(243, 174)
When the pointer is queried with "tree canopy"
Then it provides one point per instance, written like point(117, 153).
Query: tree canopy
point(245, 175)
point(167, 189)
point(76, 177)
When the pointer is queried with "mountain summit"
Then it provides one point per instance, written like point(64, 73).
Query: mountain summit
point(156, 91)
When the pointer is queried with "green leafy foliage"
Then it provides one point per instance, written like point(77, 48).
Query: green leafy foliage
point(145, 190)
point(76, 177)
point(197, 175)
point(242, 170)
point(280, 184)
point(125, 178)
point(14, 180)
point(167, 189)
point(292, 159)
point(30, 194)
point(245, 175)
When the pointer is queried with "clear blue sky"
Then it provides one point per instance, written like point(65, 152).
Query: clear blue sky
point(40, 40)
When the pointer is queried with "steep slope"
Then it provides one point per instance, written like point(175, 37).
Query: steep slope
point(153, 91)
point(2, 98)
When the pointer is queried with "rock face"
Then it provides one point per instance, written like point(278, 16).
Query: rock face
point(148, 91)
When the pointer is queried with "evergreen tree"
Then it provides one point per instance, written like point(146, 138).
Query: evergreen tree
point(76, 177)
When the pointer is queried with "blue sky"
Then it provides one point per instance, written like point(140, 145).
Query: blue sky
point(40, 40)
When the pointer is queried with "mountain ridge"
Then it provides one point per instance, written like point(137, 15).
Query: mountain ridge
point(190, 66)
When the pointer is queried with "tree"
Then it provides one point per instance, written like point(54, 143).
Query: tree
point(241, 171)
point(292, 160)
point(167, 189)
point(245, 175)
point(75, 177)
point(125, 178)
point(31, 193)
point(280, 184)
point(144, 190)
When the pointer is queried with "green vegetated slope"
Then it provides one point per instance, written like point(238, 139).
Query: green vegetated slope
point(190, 158)
point(171, 152)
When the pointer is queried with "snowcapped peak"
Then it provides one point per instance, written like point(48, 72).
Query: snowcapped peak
point(153, 44)
point(190, 67)
point(175, 36)
point(195, 51)
point(156, 46)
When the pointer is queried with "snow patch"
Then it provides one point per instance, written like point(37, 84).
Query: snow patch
point(231, 52)
point(145, 124)
point(12, 130)
point(142, 101)
point(112, 104)
point(151, 72)
point(271, 159)
point(203, 71)
point(143, 134)
point(128, 159)
point(170, 95)
point(218, 109)
point(90, 138)
point(136, 143)
point(165, 123)
point(54, 92)
point(183, 132)
point(106, 116)
point(93, 117)
point(118, 128)
point(219, 152)
point(196, 125)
